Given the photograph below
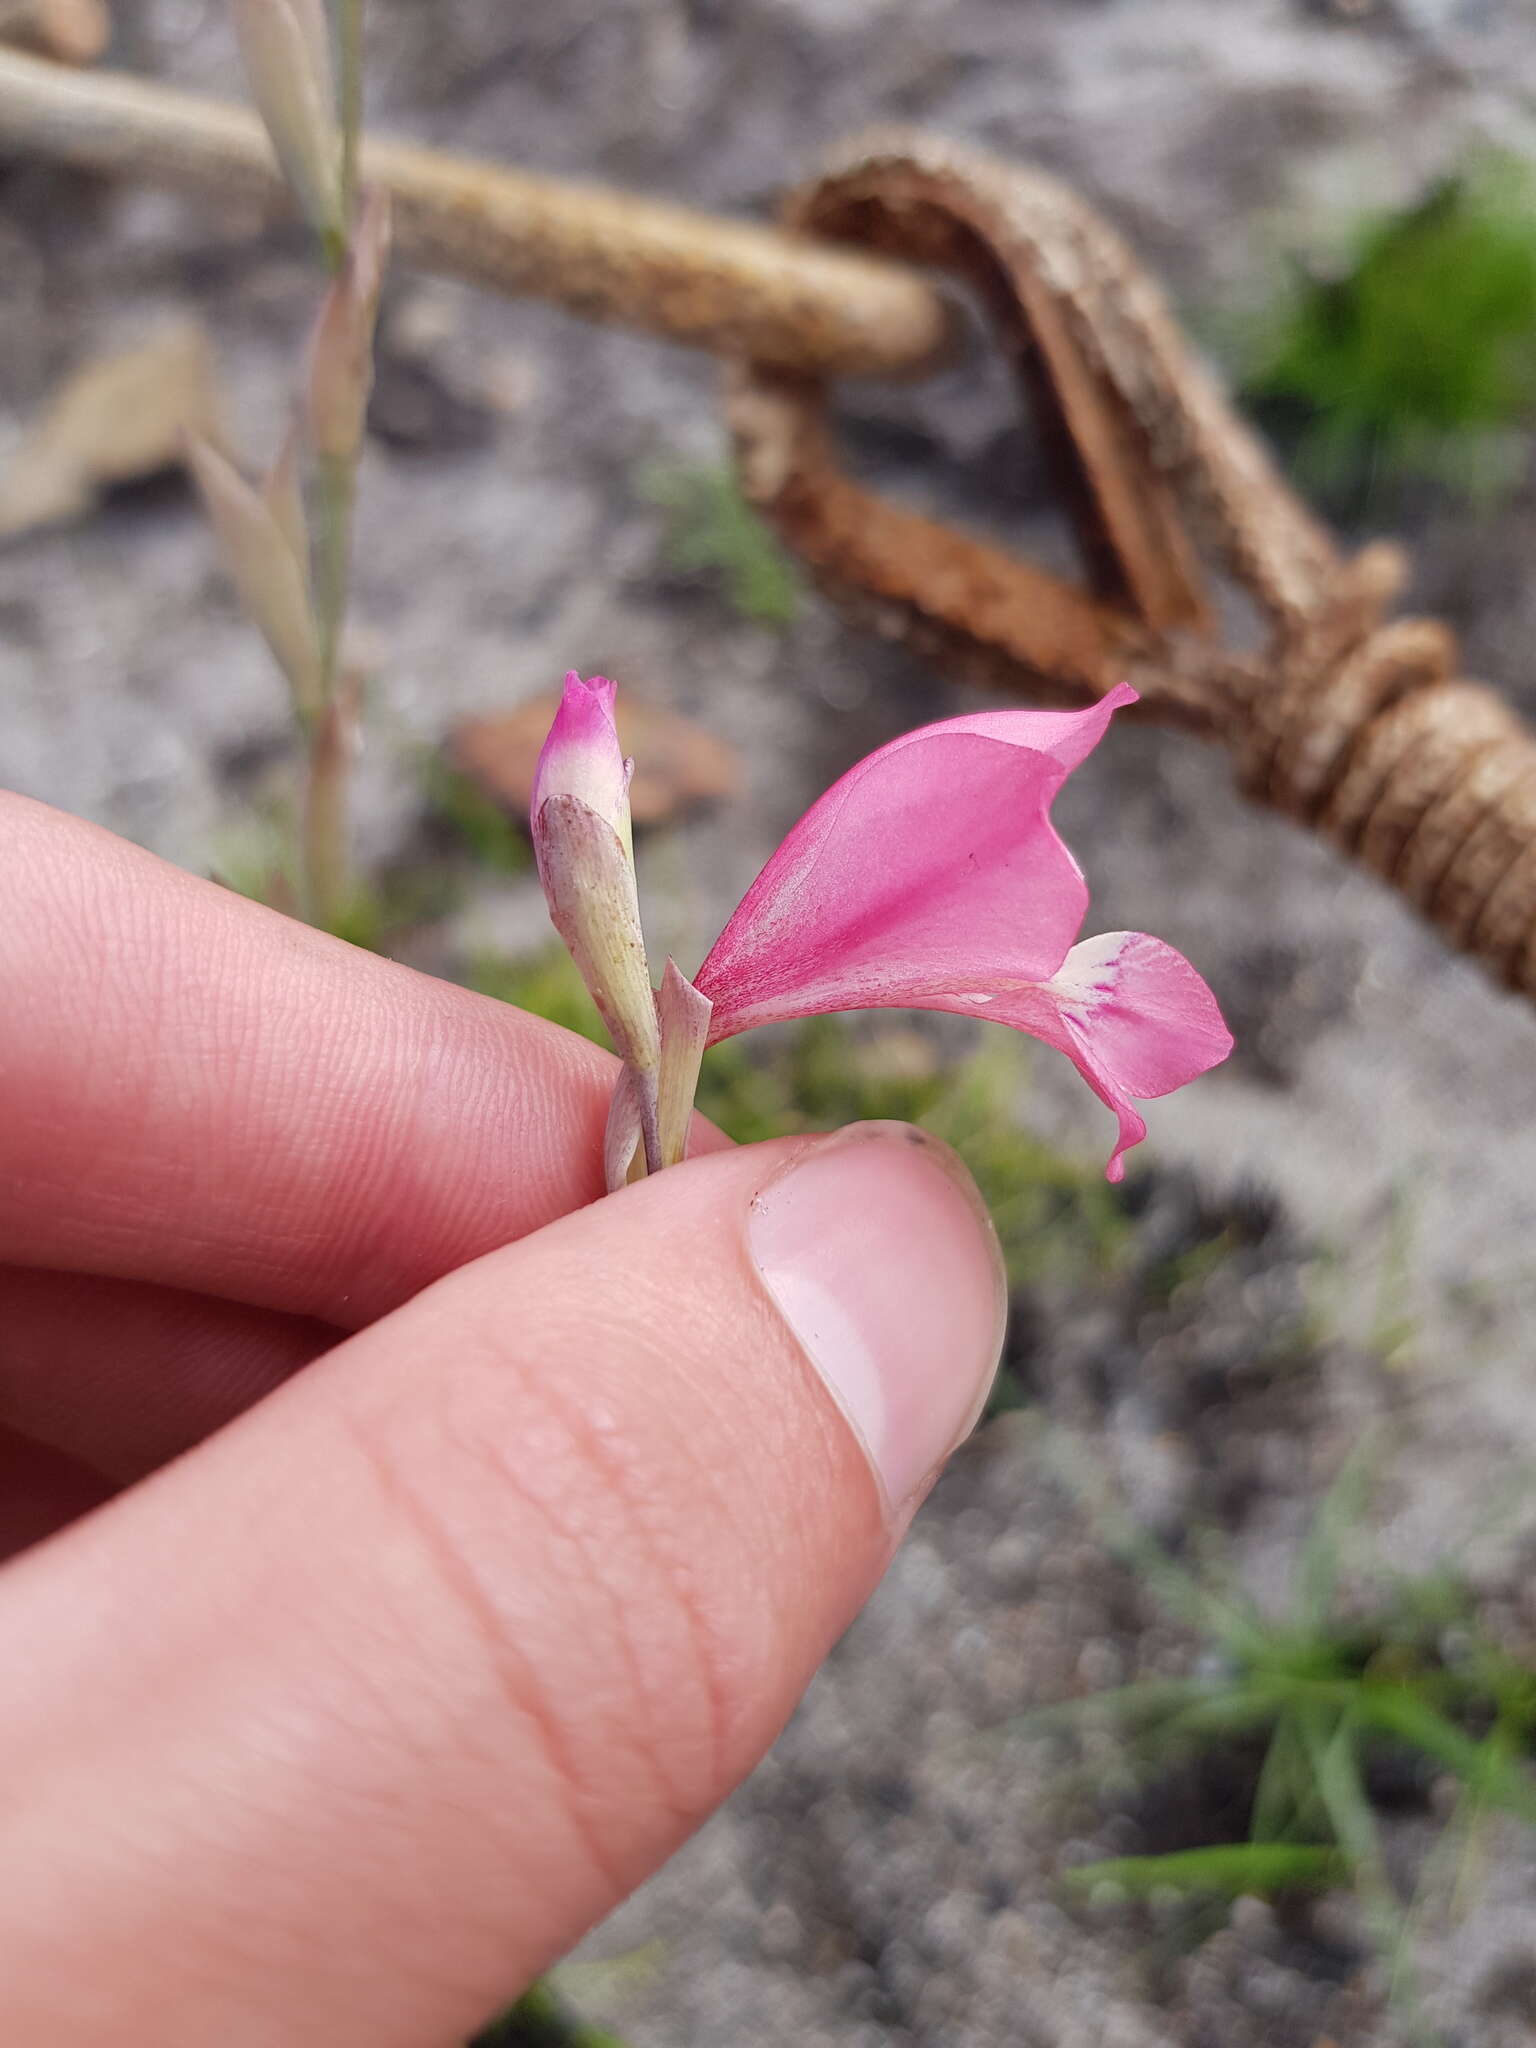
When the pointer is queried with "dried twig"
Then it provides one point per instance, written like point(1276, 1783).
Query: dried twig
point(726, 285)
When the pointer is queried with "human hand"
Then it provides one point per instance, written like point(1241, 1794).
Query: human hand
point(444, 1632)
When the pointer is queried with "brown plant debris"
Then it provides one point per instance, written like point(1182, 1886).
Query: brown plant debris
point(119, 419)
point(73, 31)
point(677, 763)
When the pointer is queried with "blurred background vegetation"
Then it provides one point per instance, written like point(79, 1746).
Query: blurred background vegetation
point(1414, 357)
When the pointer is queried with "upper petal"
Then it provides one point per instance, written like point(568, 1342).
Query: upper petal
point(1131, 1014)
point(1069, 736)
point(931, 867)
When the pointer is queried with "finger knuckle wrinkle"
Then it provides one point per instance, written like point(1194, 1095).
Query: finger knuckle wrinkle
point(441, 1538)
point(588, 1620)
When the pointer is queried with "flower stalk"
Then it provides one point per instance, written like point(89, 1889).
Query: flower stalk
point(338, 385)
point(333, 742)
point(288, 548)
point(349, 39)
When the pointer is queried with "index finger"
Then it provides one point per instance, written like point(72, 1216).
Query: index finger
point(199, 1092)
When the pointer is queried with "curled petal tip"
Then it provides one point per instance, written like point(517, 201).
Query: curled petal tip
point(602, 689)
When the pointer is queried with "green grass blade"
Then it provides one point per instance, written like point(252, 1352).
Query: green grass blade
point(1285, 1790)
point(1331, 1750)
point(1231, 1868)
point(1338, 1513)
point(1226, 1710)
point(1405, 1713)
point(1138, 1705)
point(540, 2019)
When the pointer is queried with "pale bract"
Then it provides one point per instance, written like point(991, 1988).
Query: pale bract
point(286, 51)
point(261, 535)
point(931, 877)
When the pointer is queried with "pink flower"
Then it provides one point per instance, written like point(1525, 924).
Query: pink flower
point(931, 877)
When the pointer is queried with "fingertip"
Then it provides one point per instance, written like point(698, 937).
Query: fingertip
point(879, 1252)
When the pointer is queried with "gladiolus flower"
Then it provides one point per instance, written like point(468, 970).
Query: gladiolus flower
point(931, 877)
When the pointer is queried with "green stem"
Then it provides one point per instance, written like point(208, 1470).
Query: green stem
point(325, 856)
point(336, 478)
point(349, 50)
point(324, 852)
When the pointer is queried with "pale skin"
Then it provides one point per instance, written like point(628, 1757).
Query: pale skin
point(407, 1549)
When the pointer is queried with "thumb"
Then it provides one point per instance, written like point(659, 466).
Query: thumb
point(342, 1727)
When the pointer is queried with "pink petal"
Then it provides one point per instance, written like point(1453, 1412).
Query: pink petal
point(931, 867)
point(582, 757)
point(1130, 1013)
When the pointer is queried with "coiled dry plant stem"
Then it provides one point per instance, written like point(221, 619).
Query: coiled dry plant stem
point(1354, 724)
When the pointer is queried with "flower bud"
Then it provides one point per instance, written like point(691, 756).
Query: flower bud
point(581, 755)
point(582, 842)
point(341, 350)
point(286, 50)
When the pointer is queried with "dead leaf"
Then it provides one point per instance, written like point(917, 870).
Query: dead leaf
point(73, 31)
point(677, 763)
point(120, 418)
